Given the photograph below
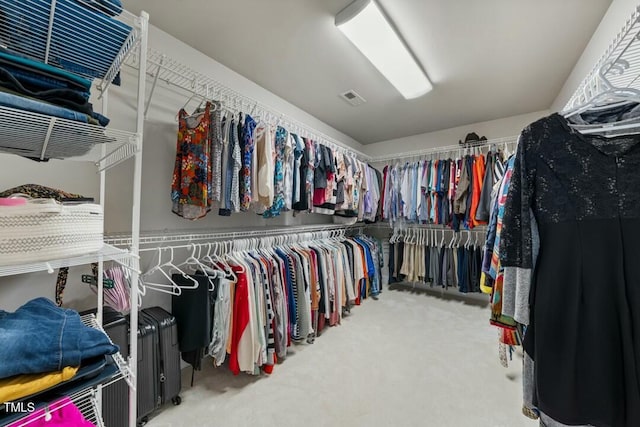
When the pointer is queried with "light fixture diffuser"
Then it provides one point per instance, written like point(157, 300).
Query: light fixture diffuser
point(368, 29)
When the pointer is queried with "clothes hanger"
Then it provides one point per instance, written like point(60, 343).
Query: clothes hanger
point(172, 289)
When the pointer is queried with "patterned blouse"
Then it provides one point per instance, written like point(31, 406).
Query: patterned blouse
point(192, 169)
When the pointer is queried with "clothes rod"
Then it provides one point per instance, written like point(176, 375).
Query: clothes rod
point(159, 237)
point(512, 140)
point(288, 239)
point(172, 72)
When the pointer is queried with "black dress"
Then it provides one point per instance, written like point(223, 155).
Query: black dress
point(584, 333)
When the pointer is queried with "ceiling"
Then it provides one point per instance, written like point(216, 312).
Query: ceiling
point(487, 59)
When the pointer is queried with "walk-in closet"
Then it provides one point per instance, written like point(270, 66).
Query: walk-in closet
point(319, 213)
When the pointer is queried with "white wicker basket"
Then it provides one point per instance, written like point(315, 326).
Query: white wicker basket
point(44, 230)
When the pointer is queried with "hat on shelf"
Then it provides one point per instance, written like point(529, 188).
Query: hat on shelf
point(472, 138)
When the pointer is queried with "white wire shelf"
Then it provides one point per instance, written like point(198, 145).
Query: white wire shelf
point(619, 66)
point(448, 149)
point(174, 73)
point(87, 38)
point(42, 137)
point(86, 400)
point(107, 253)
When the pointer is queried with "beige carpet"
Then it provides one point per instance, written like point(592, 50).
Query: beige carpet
point(409, 359)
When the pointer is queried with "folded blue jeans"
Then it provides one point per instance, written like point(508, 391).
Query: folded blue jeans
point(40, 337)
point(22, 103)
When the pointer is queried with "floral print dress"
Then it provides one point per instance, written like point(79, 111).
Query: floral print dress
point(192, 170)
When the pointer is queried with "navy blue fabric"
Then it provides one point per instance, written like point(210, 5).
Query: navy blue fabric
point(27, 104)
point(290, 294)
point(41, 337)
point(109, 7)
point(41, 68)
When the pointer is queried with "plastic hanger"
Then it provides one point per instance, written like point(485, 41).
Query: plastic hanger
point(173, 288)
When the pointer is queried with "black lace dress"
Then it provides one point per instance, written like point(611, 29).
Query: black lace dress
point(584, 333)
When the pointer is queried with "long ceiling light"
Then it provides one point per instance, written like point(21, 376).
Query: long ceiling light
point(368, 29)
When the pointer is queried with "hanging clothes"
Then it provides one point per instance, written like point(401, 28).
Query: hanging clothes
point(283, 295)
point(237, 164)
point(190, 185)
point(248, 145)
point(571, 312)
point(437, 263)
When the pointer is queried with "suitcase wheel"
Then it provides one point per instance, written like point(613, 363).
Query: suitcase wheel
point(143, 421)
point(176, 400)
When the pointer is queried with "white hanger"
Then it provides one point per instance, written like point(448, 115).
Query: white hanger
point(175, 289)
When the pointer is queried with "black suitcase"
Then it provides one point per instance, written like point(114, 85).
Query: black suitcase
point(159, 375)
point(170, 378)
point(148, 370)
point(115, 397)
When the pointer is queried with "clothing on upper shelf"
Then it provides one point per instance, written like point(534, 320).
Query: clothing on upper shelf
point(238, 164)
point(452, 192)
point(42, 88)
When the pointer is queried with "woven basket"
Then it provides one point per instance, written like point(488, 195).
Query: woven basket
point(44, 230)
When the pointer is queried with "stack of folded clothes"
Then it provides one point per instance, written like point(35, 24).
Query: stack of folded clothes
point(43, 346)
point(41, 88)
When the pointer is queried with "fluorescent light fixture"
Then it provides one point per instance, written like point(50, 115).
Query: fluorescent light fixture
point(368, 29)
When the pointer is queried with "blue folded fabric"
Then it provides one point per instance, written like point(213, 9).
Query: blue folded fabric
point(110, 7)
point(84, 40)
point(27, 104)
point(40, 337)
point(54, 72)
point(42, 82)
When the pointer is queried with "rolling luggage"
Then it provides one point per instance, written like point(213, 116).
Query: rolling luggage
point(147, 374)
point(159, 376)
point(115, 397)
point(169, 354)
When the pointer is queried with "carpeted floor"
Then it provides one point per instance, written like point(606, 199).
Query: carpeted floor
point(408, 359)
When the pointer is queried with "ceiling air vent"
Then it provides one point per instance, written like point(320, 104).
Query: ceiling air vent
point(352, 98)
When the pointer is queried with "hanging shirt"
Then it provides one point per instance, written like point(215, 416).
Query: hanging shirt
point(246, 178)
point(236, 162)
point(265, 167)
point(190, 187)
point(289, 175)
point(278, 204)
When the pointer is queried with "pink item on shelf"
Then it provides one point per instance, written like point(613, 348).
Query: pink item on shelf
point(62, 413)
point(12, 201)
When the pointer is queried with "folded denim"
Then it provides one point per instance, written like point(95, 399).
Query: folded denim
point(40, 337)
point(37, 80)
point(74, 81)
point(20, 102)
point(87, 25)
point(67, 98)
